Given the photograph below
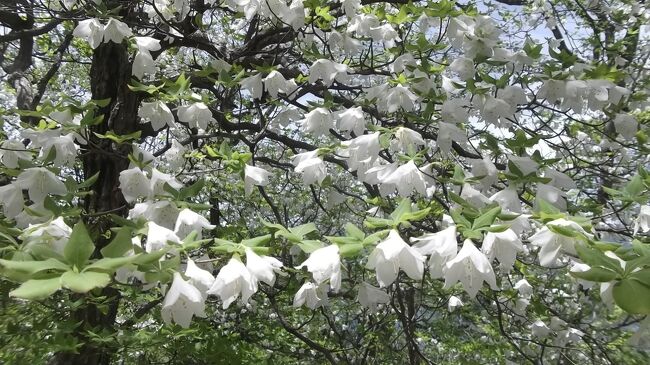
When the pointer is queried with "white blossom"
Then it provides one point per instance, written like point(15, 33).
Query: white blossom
point(325, 263)
point(370, 296)
point(471, 267)
point(233, 280)
point(262, 268)
point(182, 302)
point(39, 183)
point(254, 176)
point(393, 254)
point(440, 246)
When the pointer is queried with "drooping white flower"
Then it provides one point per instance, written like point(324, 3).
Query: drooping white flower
point(471, 267)
point(115, 31)
point(642, 221)
point(199, 278)
point(502, 246)
point(393, 254)
point(233, 280)
point(12, 152)
point(328, 71)
point(134, 183)
point(447, 134)
point(399, 97)
point(363, 150)
point(262, 268)
point(324, 264)
point(196, 115)
point(311, 295)
point(162, 212)
point(91, 30)
point(370, 296)
point(550, 194)
point(189, 221)
point(540, 329)
point(552, 243)
point(11, 198)
point(407, 178)
point(318, 122)
point(311, 166)
point(143, 63)
point(157, 113)
point(453, 303)
point(441, 246)
point(485, 168)
point(559, 179)
point(474, 197)
point(54, 234)
point(508, 200)
point(254, 176)
point(464, 67)
point(407, 140)
point(254, 85)
point(158, 237)
point(352, 120)
point(158, 181)
point(524, 288)
point(40, 182)
point(182, 302)
point(275, 83)
point(626, 125)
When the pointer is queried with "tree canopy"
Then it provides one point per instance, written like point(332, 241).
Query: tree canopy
point(325, 181)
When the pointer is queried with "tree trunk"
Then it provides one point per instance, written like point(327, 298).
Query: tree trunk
point(109, 75)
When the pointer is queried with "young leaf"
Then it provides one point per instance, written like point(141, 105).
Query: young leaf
point(79, 247)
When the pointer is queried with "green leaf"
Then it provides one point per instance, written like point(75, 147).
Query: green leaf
point(596, 258)
point(192, 190)
point(120, 244)
point(37, 288)
point(88, 182)
point(309, 246)
point(303, 230)
point(350, 250)
point(33, 267)
point(403, 207)
point(632, 296)
point(486, 219)
point(83, 282)
point(110, 264)
point(257, 241)
point(353, 231)
point(596, 274)
point(79, 247)
point(119, 138)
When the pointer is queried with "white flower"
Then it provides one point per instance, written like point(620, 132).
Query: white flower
point(441, 246)
point(448, 133)
point(197, 115)
point(524, 288)
point(147, 44)
point(328, 71)
point(275, 83)
point(263, 268)
point(311, 166)
point(115, 31)
point(39, 182)
point(189, 221)
point(233, 280)
point(392, 254)
point(642, 222)
point(551, 242)
point(324, 264)
point(464, 67)
point(54, 234)
point(318, 122)
point(407, 140)
point(158, 181)
point(407, 178)
point(453, 303)
point(134, 183)
point(254, 85)
point(182, 302)
point(201, 279)
point(91, 30)
point(471, 268)
point(508, 200)
point(370, 296)
point(254, 176)
point(158, 237)
point(162, 212)
point(399, 97)
point(12, 152)
point(311, 295)
point(540, 329)
point(157, 113)
point(352, 120)
point(550, 194)
point(143, 64)
point(363, 150)
point(502, 246)
point(626, 125)
point(11, 198)
point(485, 168)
